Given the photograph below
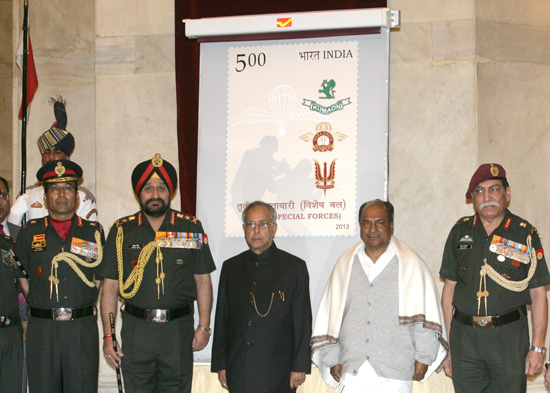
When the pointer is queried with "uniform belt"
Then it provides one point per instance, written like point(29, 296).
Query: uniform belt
point(7, 321)
point(483, 322)
point(156, 314)
point(62, 313)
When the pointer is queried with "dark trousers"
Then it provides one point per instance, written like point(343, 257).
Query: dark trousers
point(11, 359)
point(63, 355)
point(489, 360)
point(158, 357)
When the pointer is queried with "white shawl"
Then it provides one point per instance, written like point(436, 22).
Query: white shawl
point(418, 303)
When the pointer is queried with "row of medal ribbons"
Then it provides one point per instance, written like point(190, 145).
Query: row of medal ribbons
point(508, 248)
point(180, 239)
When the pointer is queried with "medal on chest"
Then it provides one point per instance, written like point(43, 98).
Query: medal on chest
point(506, 248)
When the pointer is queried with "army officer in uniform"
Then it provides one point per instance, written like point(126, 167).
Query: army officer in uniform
point(159, 261)
point(61, 253)
point(494, 267)
point(11, 343)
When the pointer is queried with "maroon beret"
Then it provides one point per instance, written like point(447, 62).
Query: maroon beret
point(483, 173)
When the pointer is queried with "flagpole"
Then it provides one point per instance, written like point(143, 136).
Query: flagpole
point(24, 99)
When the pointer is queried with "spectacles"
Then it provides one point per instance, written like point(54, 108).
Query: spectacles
point(261, 224)
point(478, 191)
point(4, 196)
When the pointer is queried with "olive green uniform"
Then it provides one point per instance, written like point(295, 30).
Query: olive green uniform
point(62, 355)
point(11, 343)
point(158, 356)
point(491, 359)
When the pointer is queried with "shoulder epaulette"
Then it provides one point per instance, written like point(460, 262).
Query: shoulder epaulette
point(463, 220)
point(186, 217)
point(94, 224)
point(124, 220)
point(35, 221)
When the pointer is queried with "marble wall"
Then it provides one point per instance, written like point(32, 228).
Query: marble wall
point(7, 44)
point(136, 96)
point(468, 84)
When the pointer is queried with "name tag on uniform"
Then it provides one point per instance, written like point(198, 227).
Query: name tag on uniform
point(83, 247)
point(463, 246)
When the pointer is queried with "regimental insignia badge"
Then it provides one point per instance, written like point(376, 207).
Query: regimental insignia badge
point(36, 205)
point(523, 224)
point(325, 179)
point(157, 161)
point(323, 141)
point(540, 254)
point(324, 137)
point(38, 243)
point(59, 169)
point(7, 258)
point(494, 170)
point(327, 88)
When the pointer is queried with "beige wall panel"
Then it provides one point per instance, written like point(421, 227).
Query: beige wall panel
point(134, 17)
point(6, 153)
point(6, 89)
point(412, 43)
point(454, 40)
point(433, 10)
point(518, 43)
point(61, 24)
point(6, 34)
point(525, 12)
point(155, 53)
point(514, 125)
point(432, 152)
point(115, 55)
point(136, 118)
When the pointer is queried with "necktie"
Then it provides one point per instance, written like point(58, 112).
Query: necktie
point(2, 230)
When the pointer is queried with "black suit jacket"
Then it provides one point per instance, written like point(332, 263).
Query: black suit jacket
point(263, 321)
point(14, 230)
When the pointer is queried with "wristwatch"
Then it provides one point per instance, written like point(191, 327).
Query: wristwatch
point(541, 350)
point(209, 330)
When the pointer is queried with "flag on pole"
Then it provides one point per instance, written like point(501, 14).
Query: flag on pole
point(32, 78)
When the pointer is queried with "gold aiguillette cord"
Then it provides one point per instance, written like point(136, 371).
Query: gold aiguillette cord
point(484, 293)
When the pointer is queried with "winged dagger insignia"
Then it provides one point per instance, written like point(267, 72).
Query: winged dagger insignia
point(325, 180)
